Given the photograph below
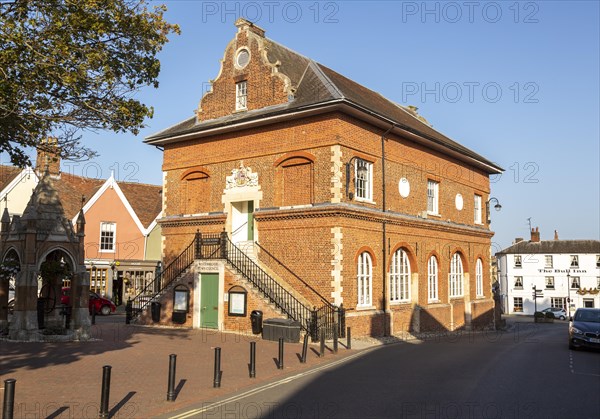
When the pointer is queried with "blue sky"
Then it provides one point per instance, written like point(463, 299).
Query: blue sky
point(517, 82)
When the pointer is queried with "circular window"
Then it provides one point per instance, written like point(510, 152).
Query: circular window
point(242, 59)
point(459, 202)
point(404, 187)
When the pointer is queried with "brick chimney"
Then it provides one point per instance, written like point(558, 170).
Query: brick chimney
point(535, 235)
point(244, 24)
point(48, 157)
point(555, 234)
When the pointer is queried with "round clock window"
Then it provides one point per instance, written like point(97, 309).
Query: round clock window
point(404, 187)
point(242, 59)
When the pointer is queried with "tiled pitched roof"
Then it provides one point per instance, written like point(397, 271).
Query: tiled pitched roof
point(146, 200)
point(8, 174)
point(72, 188)
point(317, 85)
point(553, 247)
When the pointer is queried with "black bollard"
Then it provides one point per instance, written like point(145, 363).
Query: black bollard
point(322, 348)
point(217, 374)
point(105, 392)
point(9, 398)
point(93, 313)
point(280, 362)
point(68, 317)
point(335, 338)
point(304, 349)
point(171, 383)
point(348, 338)
point(128, 311)
point(252, 359)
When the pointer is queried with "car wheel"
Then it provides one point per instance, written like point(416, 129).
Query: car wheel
point(105, 310)
point(562, 317)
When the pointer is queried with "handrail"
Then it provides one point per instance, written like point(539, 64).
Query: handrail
point(276, 293)
point(323, 299)
point(233, 233)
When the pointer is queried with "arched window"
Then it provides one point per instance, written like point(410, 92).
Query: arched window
point(432, 278)
point(400, 277)
point(456, 276)
point(365, 275)
point(196, 193)
point(479, 278)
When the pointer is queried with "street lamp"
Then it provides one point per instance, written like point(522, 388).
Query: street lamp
point(568, 293)
point(361, 171)
point(497, 207)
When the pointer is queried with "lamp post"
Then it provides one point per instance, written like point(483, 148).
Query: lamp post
point(568, 293)
point(361, 171)
point(497, 207)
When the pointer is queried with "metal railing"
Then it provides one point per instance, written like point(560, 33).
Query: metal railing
point(219, 246)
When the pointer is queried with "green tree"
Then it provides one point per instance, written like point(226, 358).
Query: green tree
point(73, 65)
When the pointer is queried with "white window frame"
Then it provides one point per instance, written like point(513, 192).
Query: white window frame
point(365, 280)
point(241, 95)
point(432, 279)
point(558, 302)
point(112, 228)
point(455, 277)
point(400, 277)
point(518, 261)
point(477, 209)
point(548, 262)
point(575, 280)
point(574, 261)
point(433, 197)
point(363, 186)
point(520, 280)
point(520, 299)
point(549, 282)
point(597, 261)
point(479, 278)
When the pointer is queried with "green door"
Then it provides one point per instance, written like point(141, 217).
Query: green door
point(209, 301)
point(250, 220)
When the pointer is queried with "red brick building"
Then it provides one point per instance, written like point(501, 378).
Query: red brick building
point(341, 194)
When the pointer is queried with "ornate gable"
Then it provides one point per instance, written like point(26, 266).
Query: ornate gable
point(245, 71)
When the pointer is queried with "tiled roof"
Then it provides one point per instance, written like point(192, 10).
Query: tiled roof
point(146, 200)
point(8, 174)
point(72, 188)
point(317, 85)
point(75, 191)
point(553, 247)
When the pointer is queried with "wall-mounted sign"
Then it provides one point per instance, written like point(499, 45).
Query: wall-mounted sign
point(237, 301)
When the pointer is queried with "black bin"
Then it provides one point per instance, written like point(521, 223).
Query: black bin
point(287, 329)
point(155, 311)
point(256, 318)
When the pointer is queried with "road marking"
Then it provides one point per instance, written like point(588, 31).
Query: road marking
point(572, 367)
point(194, 412)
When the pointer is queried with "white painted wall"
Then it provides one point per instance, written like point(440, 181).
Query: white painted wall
point(534, 273)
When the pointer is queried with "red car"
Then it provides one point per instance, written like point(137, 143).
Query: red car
point(103, 305)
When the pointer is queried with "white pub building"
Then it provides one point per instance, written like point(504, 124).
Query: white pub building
point(567, 272)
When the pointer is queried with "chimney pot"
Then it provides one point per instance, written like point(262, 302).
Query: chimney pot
point(535, 235)
point(555, 234)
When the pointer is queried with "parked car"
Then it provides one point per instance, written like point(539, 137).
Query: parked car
point(584, 328)
point(559, 313)
point(102, 305)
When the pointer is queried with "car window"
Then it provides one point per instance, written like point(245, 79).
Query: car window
point(588, 316)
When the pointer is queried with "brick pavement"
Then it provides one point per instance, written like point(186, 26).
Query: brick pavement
point(63, 380)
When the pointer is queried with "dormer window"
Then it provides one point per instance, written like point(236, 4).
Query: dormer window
point(241, 96)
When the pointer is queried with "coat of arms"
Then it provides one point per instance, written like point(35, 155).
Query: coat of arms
point(243, 176)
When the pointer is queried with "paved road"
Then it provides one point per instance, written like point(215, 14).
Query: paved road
point(526, 372)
